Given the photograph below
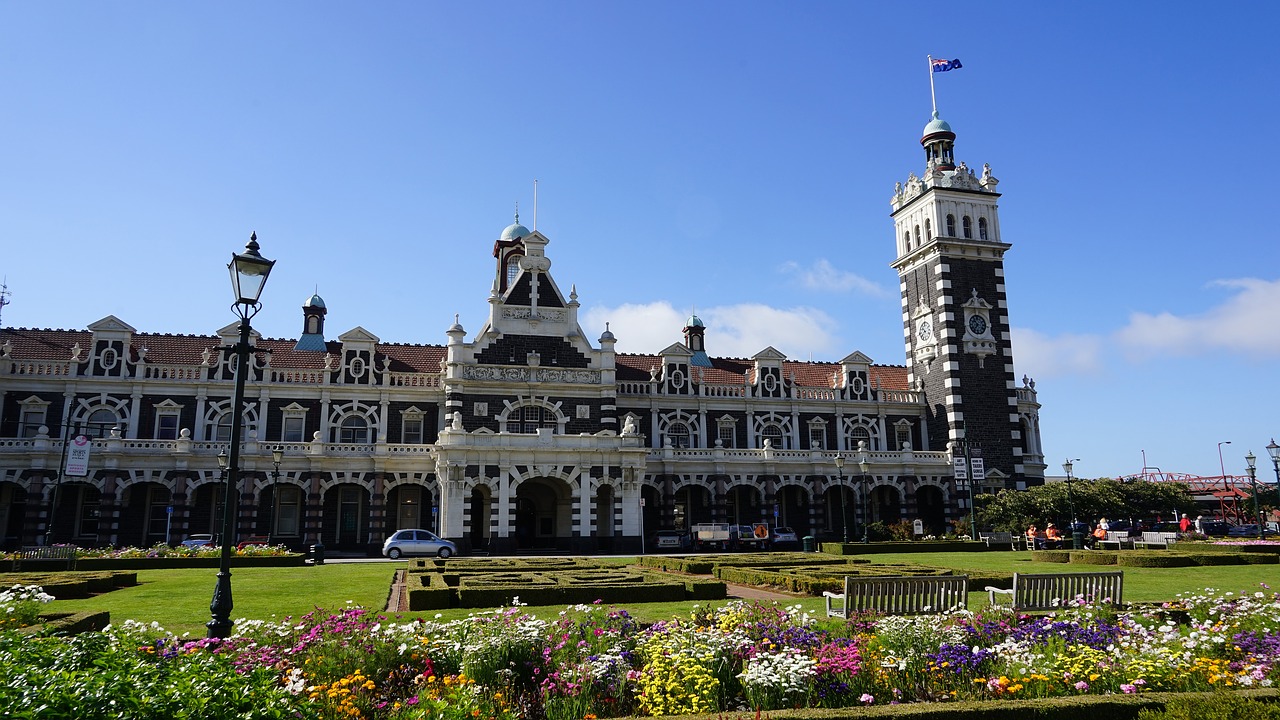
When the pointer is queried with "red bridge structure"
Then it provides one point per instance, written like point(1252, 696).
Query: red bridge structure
point(1228, 495)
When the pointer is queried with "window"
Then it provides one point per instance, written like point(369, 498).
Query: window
point(32, 419)
point(726, 433)
point(411, 433)
point(903, 436)
point(951, 226)
point(357, 367)
point(295, 428)
point(101, 422)
point(221, 430)
point(288, 511)
point(928, 229)
point(817, 437)
point(982, 228)
point(353, 430)
point(107, 359)
point(860, 435)
point(533, 417)
point(167, 426)
point(678, 435)
point(917, 235)
point(313, 325)
point(968, 227)
point(513, 269)
point(772, 433)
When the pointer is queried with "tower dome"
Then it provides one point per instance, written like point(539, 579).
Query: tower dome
point(694, 321)
point(314, 301)
point(936, 125)
point(514, 231)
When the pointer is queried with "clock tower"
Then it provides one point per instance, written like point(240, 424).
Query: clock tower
point(950, 264)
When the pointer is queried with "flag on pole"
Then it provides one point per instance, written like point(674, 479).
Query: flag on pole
point(945, 65)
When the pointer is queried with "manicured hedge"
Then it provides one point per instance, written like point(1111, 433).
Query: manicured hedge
point(1094, 557)
point(69, 623)
point(857, 548)
point(1053, 556)
point(1154, 560)
point(71, 584)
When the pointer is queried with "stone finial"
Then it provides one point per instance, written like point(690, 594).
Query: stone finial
point(75, 351)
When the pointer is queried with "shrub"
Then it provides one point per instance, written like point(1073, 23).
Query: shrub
point(1053, 556)
point(1214, 707)
point(1094, 558)
point(1154, 560)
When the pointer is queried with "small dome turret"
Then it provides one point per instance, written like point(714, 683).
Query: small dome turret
point(315, 301)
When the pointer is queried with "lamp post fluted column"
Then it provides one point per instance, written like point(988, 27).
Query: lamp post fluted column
point(844, 502)
point(249, 271)
point(1253, 487)
point(862, 467)
point(1274, 451)
point(277, 455)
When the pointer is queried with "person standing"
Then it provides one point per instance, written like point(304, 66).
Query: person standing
point(1200, 524)
point(1184, 525)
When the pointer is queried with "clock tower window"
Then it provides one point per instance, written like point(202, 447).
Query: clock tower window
point(968, 227)
point(951, 225)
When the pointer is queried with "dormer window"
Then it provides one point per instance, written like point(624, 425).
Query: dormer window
point(357, 367)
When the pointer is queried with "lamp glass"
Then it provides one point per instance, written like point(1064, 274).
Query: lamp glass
point(1253, 461)
point(1066, 467)
point(277, 455)
point(839, 462)
point(1273, 450)
point(222, 460)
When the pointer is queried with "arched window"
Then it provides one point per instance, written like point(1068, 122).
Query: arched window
point(354, 430)
point(917, 235)
point(513, 268)
point(951, 226)
point(968, 227)
point(313, 325)
point(860, 434)
point(221, 430)
point(100, 423)
point(678, 435)
point(774, 434)
point(982, 228)
point(532, 417)
point(928, 229)
point(906, 239)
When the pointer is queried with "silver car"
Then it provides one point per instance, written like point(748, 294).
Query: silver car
point(417, 542)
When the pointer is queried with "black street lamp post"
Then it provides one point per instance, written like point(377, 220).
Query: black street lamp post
point(1077, 539)
point(276, 456)
point(844, 502)
point(1253, 486)
point(968, 469)
point(862, 467)
point(249, 271)
point(1274, 451)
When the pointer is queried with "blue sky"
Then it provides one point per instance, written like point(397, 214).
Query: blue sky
point(733, 157)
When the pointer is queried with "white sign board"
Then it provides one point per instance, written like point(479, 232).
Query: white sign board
point(979, 471)
point(918, 527)
point(961, 472)
point(78, 456)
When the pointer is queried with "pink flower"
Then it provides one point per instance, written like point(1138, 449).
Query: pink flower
point(867, 698)
point(1082, 686)
point(1128, 689)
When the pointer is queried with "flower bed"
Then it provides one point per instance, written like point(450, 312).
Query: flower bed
point(596, 661)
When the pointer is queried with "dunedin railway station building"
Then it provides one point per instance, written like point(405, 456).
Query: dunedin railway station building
point(530, 435)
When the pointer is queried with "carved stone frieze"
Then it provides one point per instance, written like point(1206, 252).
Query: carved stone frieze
point(504, 373)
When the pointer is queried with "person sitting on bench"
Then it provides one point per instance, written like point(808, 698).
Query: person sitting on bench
point(1034, 538)
point(1099, 534)
point(1052, 538)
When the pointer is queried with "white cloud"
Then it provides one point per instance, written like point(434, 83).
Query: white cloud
point(822, 276)
point(1244, 323)
point(732, 330)
point(1044, 357)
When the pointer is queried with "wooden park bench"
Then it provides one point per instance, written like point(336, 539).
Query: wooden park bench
point(45, 552)
point(899, 595)
point(1156, 540)
point(1119, 539)
point(1000, 539)
point(1052, 591)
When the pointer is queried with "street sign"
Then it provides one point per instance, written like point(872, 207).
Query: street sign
point(169, 509)
point(78, 456)
point(960, 471)
point(979, 472)
point(435, 510)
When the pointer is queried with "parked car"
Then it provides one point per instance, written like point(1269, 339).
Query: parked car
point(1216, 528)
point(752, 537)
point(1243, 531)
point(671, 540)
point(198, 540)
point(417, 542)
point(785, 537)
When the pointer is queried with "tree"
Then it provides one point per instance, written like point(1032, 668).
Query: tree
point(1014, 510)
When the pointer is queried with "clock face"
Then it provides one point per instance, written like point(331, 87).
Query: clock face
point(924, 331)
point(978, 324)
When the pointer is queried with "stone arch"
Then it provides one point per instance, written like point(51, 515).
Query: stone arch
point(144, 516)
point(216, 410)
point(743, 503)
point(513, 412)
point(672, 419)
point(931, 508)
point(884, 502)
point(344, 521)
point(76, 512)
point(13, 514)
point(691, 504)
point(409, 505)
point(353, 422)
point(87, 407)
point(544, 512)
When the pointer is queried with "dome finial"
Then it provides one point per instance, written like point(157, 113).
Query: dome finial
point(517, 212)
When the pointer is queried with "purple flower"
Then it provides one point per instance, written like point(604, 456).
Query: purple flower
point(1082, 686)
point(867, 698)
point(1128, 689)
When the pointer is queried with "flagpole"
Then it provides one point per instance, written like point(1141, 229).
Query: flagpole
point(932, 96)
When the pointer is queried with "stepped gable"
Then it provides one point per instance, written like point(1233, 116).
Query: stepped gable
point(43, 343)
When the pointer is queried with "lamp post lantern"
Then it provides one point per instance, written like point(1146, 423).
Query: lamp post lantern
point(249, 271)
point(1253, 487)
point(277, 455)
point(844, 502)
point(862, 467)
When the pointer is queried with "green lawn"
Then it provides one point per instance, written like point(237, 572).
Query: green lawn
point(179, 599)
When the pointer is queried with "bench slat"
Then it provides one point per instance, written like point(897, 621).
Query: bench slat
point(899, 595)
point(1052, 591)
